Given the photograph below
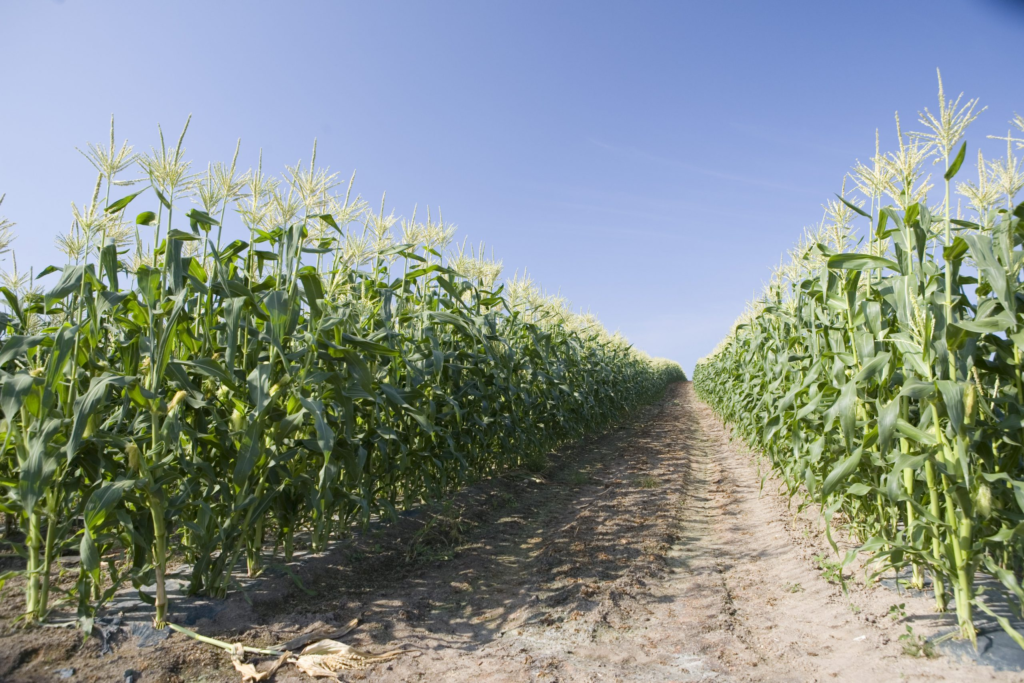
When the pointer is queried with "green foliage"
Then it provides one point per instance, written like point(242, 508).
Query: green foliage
point(915, 645)
point(831, 570)
point(886, 383)
point(442, 533)
point(202, 399)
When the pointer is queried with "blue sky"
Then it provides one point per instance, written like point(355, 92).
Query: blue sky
point(648, 160)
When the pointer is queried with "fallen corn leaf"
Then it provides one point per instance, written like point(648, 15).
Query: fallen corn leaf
point(248, 671)
point(326, 658)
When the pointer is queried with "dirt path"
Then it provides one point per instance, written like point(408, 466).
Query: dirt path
point(648, 554)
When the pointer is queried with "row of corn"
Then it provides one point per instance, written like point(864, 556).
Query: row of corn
point(883, 380)
point(172, 395)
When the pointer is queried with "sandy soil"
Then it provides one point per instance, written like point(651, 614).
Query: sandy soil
point(651, 553)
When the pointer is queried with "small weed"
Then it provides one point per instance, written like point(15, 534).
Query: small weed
point(792, 588)
point(442, 533)
point(536, 463)
point(830, 569)
point(854, 608)
point(503, 500)
point(578, 478)
point(897, 612)
point(646, 482)
point(917, 646)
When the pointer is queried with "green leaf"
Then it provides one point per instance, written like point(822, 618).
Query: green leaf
point(883, 219)
point(182, 236)
point(860, 262)
point(914, 434)
point(393, 394)
point(955, 166)
point(63, 343)
point(278, 305)
point(965, 224)
point(90, 555)
point(859, 489)
point(259, 387)
point(145, 218)
point(313, 289)
point(162, 198)
point(210, 368)
point(956, 251)
point(995, 275)
point(15, 389)
point(846, 407)
point(855, 208)
point(811, 406)
point(70, 283)
point(912, 214)
point(369, 346)
point(123, 202)
point(200, 220)
point(329, 220)
point(953, 397)
point(12, 301)
point(324, 433)
point(232, 250)
point(195, 269)
point(877, 366)
point(102, 502)
point(39, 467)
point(887, 424)
point(108, 259)
point(148, 278)
point(917, 389)
point(17, 345)
point(87, 404)
point(840, 473)
point(995, 323)
point(248, 453)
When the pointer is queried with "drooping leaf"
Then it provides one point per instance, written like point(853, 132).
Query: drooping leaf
point(854, 207)
point(860, 262)
point(840, 473)
point(953, 398)
point(324, 433)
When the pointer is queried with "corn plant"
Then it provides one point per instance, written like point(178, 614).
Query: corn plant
point(175, 394)
point(884, 381)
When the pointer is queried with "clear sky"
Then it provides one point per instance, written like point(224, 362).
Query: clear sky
point(649, 160)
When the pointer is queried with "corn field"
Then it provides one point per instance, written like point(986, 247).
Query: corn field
point(171, 394)
point(882, 375)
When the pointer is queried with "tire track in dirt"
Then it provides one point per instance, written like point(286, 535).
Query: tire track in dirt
point(735, 594)
point(749, 588)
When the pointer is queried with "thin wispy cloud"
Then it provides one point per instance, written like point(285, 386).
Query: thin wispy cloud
point(791, 140)
point(710, 172)
point(624, 231)
point(673, 218)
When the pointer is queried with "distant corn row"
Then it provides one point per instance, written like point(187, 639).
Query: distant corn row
point(885, 383)
point(212, 398)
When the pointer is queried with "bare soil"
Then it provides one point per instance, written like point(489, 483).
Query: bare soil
point(651, 553)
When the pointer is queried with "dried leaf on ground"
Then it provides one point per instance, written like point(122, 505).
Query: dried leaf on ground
point(248, 671)
point(326, 658)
